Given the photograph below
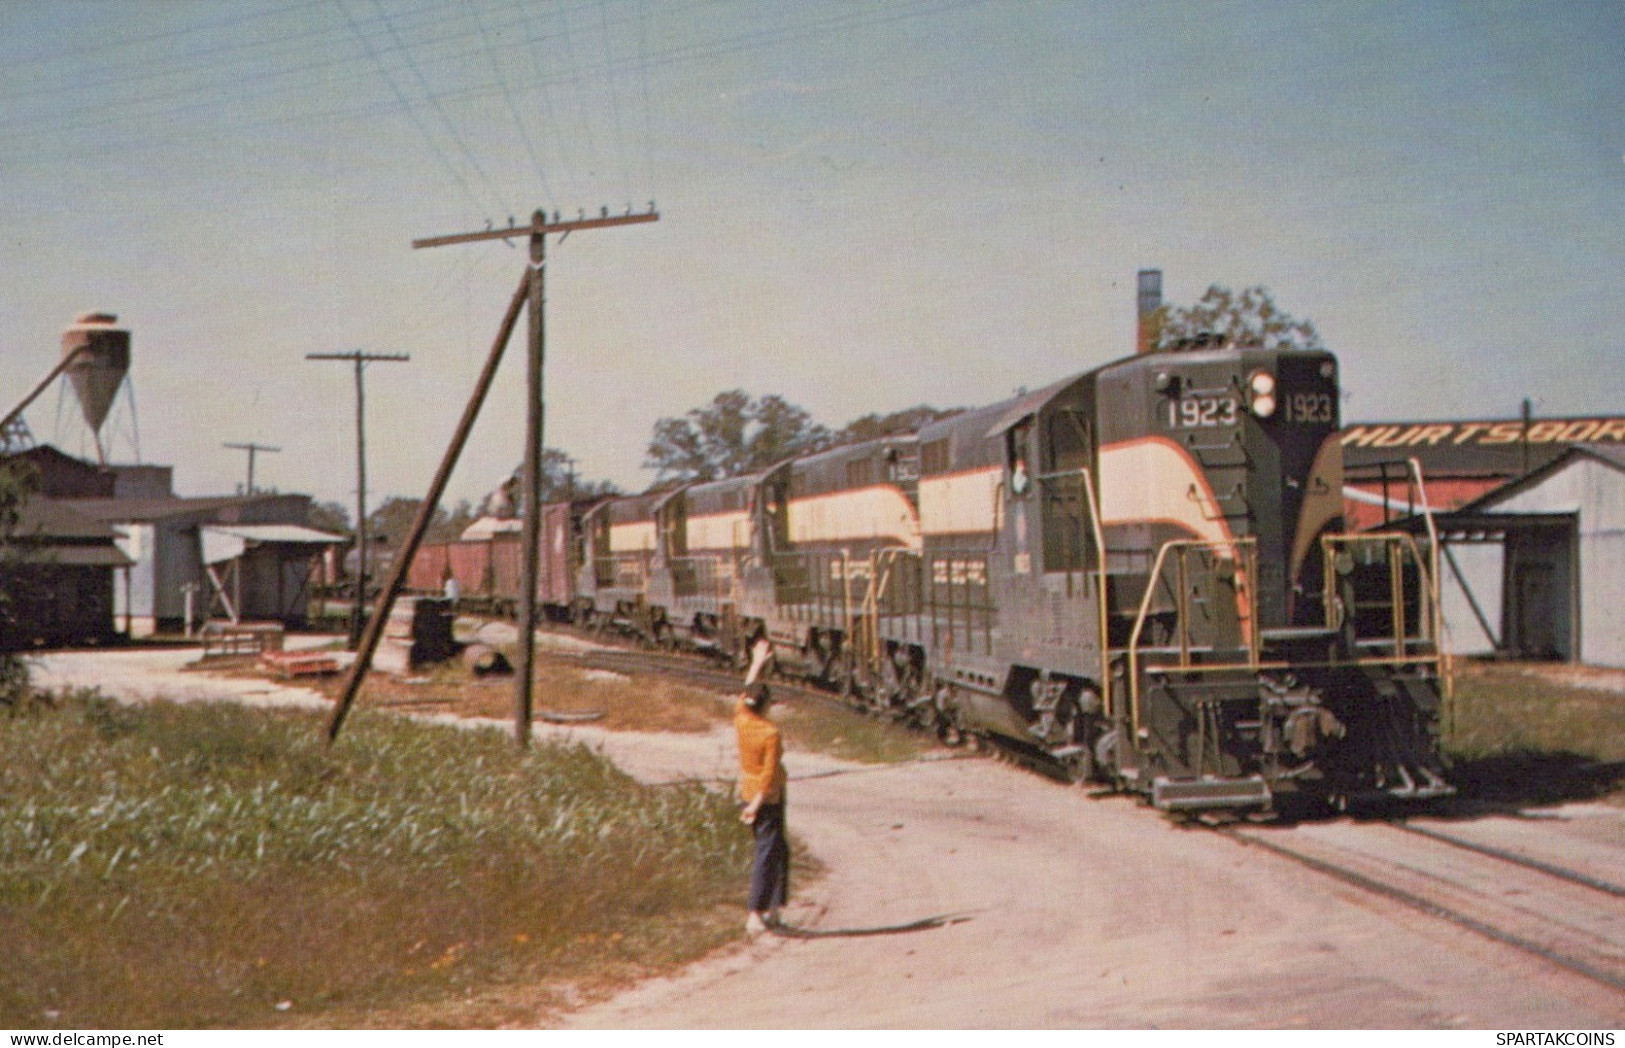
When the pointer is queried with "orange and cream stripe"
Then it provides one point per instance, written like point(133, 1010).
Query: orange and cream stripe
point(864, 514)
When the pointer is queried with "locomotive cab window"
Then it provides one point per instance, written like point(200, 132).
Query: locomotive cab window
point(1017, 451)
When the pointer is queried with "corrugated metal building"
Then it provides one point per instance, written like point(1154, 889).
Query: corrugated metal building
point(1536, 569)
point(238, 557)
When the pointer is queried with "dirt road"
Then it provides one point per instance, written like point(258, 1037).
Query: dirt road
point(1068, 911)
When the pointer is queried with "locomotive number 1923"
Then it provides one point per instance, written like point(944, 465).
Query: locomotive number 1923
point(1309, 407)
point(1202, 412)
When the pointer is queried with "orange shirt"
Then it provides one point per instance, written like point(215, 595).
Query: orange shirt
point(761, 756)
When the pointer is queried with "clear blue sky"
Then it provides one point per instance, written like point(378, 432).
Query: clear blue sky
point(865, 206)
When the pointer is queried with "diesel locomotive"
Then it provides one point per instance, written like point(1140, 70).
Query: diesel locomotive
point(1139, 573)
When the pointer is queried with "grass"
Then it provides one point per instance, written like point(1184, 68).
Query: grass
point(627, 703)
point(170, 866)
point(1526, 733)
point(849, 735)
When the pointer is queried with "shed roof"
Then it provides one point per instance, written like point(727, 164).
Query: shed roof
point(48, 519)
point(154, 509)
point(1608, 454)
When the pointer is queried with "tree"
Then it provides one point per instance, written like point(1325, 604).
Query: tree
point(1249, 319)
point(330, 516)
point(18, 482)
point(389, 524)
point(909, 420)
point(559, 484)
point(733, 435)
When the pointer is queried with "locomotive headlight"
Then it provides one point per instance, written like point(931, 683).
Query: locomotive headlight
point(1261, 384)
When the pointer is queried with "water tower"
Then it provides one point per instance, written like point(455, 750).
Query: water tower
point(96, 357)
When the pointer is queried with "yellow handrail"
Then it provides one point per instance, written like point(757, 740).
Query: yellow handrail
point(1242, 549)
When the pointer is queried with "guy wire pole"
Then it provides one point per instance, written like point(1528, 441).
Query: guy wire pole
point(530, 567)
point(431, 501)
point(360, 359)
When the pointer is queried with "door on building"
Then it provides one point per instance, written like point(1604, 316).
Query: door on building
point(1540, 593)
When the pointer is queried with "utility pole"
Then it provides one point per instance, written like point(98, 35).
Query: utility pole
point(531, 294)
point(361, 360)
point(251, 448)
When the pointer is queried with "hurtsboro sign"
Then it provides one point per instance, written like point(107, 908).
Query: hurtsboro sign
point(1485, 434)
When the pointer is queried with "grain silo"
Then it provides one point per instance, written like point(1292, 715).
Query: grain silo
point(101, 358)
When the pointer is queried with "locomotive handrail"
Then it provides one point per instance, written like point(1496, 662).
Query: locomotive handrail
point(881, 562)
point(1435, 580)
point(1093, 499)
point(1100, 588)
point(1429, 628)
point(1237, 546)
point(716, 560)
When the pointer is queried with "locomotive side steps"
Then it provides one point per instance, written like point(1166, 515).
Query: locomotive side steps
point(1209, 792)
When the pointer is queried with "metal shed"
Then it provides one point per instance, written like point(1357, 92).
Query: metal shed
point(1536, 568)
point(261, 571)
point(164, 537)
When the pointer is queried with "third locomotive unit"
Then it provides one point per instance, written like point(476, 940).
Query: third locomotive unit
point(1139, 573)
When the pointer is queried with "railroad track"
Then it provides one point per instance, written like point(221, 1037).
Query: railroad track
point(1568, 919)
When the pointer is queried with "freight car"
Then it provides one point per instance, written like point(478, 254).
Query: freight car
point(487, 568)
point(1139, 573)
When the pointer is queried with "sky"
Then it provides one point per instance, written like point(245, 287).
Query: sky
point(863, 206)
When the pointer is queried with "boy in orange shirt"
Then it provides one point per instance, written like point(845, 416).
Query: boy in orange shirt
point(761, 787)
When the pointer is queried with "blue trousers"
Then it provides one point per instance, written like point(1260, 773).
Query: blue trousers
point(770, 870)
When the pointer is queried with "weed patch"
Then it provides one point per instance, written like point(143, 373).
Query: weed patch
point(1520, 735)
point(186, 866)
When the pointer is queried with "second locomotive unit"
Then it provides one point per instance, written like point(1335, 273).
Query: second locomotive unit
point(1139, 572)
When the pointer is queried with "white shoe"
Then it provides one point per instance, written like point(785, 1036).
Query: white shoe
point(754, 925)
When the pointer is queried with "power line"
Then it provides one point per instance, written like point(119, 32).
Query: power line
point(532, 295)
point(410, 111)
point(110, 111)
point(513, 111)
point(434, 101)
point(614, 96)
